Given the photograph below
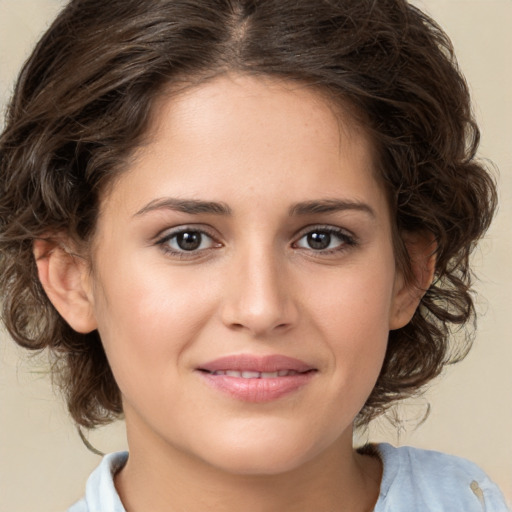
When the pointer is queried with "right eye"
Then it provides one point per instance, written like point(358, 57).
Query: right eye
point(186, 241)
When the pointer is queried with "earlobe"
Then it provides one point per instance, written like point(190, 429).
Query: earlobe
point(421, 247)
point(65, 279)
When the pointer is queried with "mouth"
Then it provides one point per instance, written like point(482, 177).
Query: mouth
point(255, 375)
point(250, 366)
point(257, 379)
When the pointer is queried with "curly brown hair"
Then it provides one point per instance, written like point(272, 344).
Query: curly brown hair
point(83, 102)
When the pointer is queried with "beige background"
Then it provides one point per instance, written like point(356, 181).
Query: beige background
point(43, 464)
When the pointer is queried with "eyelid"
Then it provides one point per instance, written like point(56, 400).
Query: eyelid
point(168, 234)
point(326, 227)
point(347, 237)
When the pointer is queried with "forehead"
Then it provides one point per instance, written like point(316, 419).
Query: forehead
point(244, 137)
point(245, 101)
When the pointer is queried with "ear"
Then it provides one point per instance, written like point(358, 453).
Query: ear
point(66, 280)
point(421, 247)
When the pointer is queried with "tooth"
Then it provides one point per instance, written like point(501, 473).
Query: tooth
point(250, 375)
point(255, 375)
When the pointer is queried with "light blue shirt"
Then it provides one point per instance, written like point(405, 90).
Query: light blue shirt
point(413, 480)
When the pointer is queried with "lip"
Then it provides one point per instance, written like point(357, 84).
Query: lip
point(254, 363)
point(296, 374)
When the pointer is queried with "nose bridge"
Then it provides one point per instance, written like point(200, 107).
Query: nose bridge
point(260, 299)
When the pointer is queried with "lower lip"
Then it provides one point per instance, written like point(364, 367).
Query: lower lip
point(258, 390)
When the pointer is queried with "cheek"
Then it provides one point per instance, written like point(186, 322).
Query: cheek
point(357, 297)
point(351, 313)
point(147, 315)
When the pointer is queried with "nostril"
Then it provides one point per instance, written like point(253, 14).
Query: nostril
point(254, 313)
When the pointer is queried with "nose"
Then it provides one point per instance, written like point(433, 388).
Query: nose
point(259, 295)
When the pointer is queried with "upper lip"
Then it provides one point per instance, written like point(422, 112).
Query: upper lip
point(255, 363)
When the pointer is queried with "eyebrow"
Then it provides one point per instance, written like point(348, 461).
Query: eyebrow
point(329, 206)
point(196, 206)
point(190, 206)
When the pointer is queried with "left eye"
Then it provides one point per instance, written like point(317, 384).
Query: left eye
point(324, 240)
point(187, 241)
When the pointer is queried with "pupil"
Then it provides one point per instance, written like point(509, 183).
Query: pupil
point(319, 240)
point(189, 241)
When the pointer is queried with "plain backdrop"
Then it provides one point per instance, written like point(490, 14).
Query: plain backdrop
point(43, 463)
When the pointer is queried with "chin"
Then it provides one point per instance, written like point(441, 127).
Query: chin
point(261, 464)
point(262, 455)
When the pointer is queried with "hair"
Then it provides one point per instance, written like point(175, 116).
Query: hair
point(83, 102)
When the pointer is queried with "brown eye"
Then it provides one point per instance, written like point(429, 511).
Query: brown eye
point(189, 240)
point(186, 240)
point(319, 240)
point(326, 240)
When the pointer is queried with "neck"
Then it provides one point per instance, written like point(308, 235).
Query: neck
point(166, 479)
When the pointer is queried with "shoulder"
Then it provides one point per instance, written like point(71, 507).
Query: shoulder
point(416, 479)
point(100, 492)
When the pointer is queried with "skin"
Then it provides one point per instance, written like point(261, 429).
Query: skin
point(255, 286)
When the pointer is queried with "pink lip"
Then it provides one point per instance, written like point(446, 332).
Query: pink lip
point(257, 389)
point(252, 363)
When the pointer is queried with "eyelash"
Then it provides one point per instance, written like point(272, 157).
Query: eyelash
point(183, 254)
point(347, 240)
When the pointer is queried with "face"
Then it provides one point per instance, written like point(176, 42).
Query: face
point(243, 279)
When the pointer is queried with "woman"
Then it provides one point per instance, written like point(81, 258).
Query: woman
point(246, 226)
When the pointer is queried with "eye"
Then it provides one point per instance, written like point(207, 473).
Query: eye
point(186, 240)
point(325, 239)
